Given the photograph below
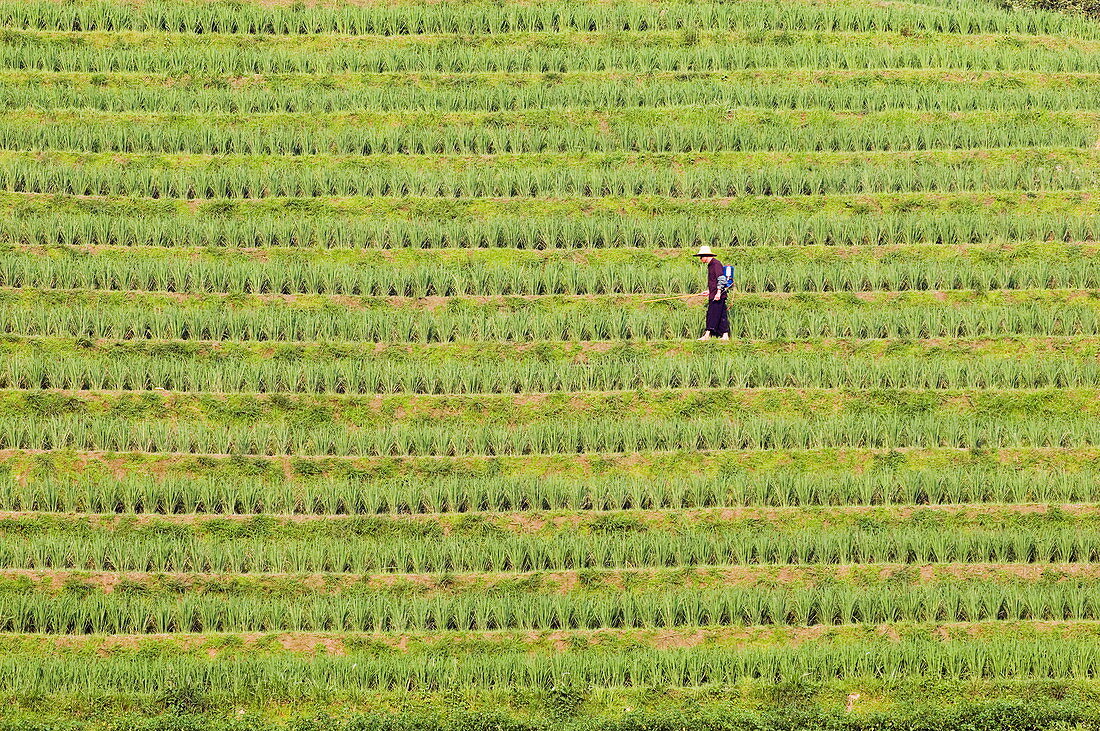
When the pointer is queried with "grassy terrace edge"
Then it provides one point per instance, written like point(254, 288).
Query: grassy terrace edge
point(1050, 704)
point(531, 304)
point(548, 582)
point(1024, 79)
point(596, 525)
point(746, 159)
point(763, 705)
point(568, 39)
point(107, 464)
point(969, 253)
point(376, 411)
point(551, 351)
point(1077, 202)
point(215, 646)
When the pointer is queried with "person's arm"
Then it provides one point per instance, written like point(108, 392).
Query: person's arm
point(712, 278)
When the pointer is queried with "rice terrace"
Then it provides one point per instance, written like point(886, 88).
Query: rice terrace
point(351, 375)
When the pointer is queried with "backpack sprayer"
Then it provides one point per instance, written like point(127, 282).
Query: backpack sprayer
point(725, 284)
point(725, 280)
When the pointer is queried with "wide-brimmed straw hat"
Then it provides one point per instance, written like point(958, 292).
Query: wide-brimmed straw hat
point(704, 251)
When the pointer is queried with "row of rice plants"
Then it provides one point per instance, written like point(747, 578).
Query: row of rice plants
point(127, 226)
point(107, 550)
point(491, 18)
point(132, 613)
point(124, 372)
point(181, 272)
point(520, 132)
point(630, 53)
point(264, 179)
point(212, 493)
point(268, 677)
point(97, 315)
point(550, 436)
point(48, 90)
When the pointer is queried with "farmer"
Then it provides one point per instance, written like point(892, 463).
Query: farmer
point(718, 323)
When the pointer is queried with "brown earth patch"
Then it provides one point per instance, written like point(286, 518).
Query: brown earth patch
point(889, 632)
point(678, 640)
point(311, 643)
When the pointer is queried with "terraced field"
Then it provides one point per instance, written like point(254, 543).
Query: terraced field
point(331, 394)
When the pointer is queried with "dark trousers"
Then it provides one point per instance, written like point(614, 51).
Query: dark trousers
point(718, 320)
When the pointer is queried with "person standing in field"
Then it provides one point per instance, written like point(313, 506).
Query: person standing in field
point(718, 322)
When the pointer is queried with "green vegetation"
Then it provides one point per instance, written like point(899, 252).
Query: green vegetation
point(334, 394)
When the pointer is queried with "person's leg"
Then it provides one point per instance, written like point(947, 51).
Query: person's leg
point(706, 323)
point(714, 317)
point(723, 330)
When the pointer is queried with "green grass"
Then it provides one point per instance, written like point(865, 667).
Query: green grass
point(329, 383)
